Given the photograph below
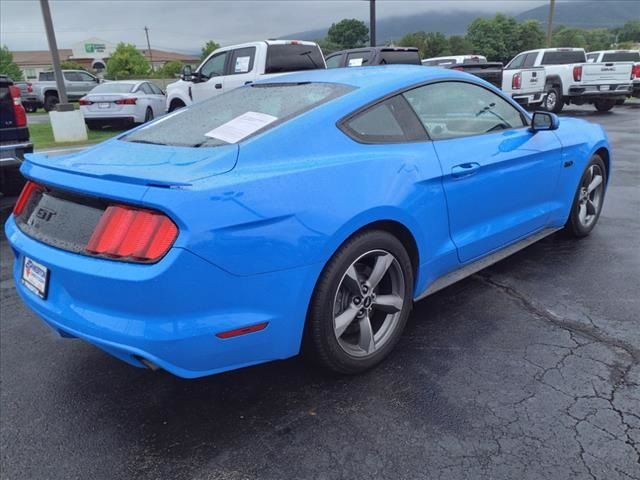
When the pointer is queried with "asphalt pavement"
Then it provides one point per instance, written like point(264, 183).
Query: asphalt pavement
point(528, 370)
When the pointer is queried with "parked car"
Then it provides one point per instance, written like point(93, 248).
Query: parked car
point(305, 211)
point(474, 64)
point(616, 56)
point(525, 83)
point(571, 80)
point(232, 67)
point(27, 97)
point(369, 56)
point(45, 91)
point(123, 102)
point(14, 138)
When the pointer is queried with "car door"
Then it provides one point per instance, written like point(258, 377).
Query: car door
point(72, 84)
point(158, 98)
point(211, 78)
point(499, 176)
point(86, 83)
point(240, 68)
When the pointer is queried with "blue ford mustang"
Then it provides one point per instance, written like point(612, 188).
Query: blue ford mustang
point(308, 212)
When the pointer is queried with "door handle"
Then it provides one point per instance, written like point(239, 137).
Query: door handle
point(218, 86)
point(465, 169)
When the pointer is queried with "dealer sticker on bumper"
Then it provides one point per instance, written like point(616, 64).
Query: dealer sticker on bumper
point(35, 277)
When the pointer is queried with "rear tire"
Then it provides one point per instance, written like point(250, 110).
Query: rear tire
point(148, 115)
point(553, 102)
point(50, 102)
point(604, 105)
point(360, 304)
point(93, 125)
point(588, 200)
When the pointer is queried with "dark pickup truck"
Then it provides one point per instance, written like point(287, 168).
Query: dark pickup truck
point(14, 138)
point(368, 56)
point(474, 64)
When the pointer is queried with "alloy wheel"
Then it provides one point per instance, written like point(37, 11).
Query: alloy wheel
point(550, 103)
point(368, 303)
point(590, 196)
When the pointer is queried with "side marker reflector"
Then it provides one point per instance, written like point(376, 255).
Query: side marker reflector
point(243, 331)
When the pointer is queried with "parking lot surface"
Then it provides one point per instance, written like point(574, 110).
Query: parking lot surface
point(528, 370)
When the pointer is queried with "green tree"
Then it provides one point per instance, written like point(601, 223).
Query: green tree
point(599, 39)
point(459, 45)
point(629, 32)
point(209, 47)
point(530, 36)
point(170, 69)
point(348, 33)
point(429, 44)
point(569, 37)
point(126, 62)
point(68, 65)
point(496, 38)
point(7, 67)
point(327, 46)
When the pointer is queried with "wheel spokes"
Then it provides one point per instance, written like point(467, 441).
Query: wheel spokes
point(388, 303)
point(383, 262)
point(582, 213)
point(365, 341)
point(591, 207)
point(352, 281)
point(345, 319)
point(595, 183)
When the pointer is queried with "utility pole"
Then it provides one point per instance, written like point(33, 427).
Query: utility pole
point(146, 32)
point(552, 4)
point(63, 105)
point(372, 22)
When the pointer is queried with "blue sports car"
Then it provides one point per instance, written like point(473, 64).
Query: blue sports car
point(306, 212)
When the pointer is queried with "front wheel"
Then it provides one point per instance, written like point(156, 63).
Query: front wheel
point(604, 105)
point(50, 102)
point(553, 102)
point(361, 303)
point(588, 200)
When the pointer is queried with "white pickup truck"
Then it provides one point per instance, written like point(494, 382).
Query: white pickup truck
point(571, 80)
point(237, 65)
point(617, 56)
point(523, 81)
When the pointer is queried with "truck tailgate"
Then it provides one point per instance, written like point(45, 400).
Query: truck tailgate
point(597, 73)
point(533, 79)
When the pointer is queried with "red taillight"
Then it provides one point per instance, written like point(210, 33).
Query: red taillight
point(84, 101)
point(516, 81)
point(19, 112)
point(29, 88)
point(127, 232)
point(460, 69)
point(126, 101)
point(635, 71)
point(29, 189)
point(242, 331)
point(577, 73)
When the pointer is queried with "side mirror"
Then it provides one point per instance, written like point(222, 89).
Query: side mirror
point(544, 121)
point(187, 73)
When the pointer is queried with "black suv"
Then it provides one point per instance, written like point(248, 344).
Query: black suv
point(367, 56)
point(14, 138)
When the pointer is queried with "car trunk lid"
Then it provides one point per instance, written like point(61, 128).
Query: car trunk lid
point(145, 164)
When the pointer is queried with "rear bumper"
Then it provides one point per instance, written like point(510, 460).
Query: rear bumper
point(167, 313)
point(525, 99)
point(13, 153)
point(607, 91)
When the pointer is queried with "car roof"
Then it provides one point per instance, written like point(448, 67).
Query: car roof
point(375, 49)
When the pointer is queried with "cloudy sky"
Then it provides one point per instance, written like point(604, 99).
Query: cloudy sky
point(186, 25)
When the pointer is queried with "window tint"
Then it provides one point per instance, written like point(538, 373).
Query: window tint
point(391, 57)
point(391, 121)
point(214, 66)
point(242, 60)
point(334, 62)
point(563, 57)
point(145, 88)
point(592, 57)
point(357, 59)
point(72, 76)
point(293, 57)
point(46, 77)
point(530, 59)
point(85, 77)
point(621, 57)
point(187, 127)
point(457, 109)
point(516, 62)
point(155, 89)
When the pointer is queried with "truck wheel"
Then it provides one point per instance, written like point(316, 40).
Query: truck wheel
point(554, 102)
point(93, 124)
point(604, 105)
point(50, 102)
point(175, 105)
point(30, 108)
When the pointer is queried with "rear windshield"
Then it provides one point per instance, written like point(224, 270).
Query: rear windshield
point(621, 57)
point(113, 88)
point(293, 58)
point(395, 57)
point(276, 102)
point(563, 58)
point(442, 61)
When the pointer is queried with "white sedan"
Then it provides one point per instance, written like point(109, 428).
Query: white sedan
point(124, 102)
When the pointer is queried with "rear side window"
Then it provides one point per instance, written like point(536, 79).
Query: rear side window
point(155, 89)
point(242, 60)
point(46, 77)
point(390, 121)
point(334, 62)
point(189, 127)
point(621, 57)
point(391, 57)
point(530, 59)
point(72, 76)
point(563, 57)
point(145, 88)
point(293, 57)
point(357, 59)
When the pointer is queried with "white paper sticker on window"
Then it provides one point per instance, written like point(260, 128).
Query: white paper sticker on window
point(240, 127)
point(355, 62)
point(242, 64)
